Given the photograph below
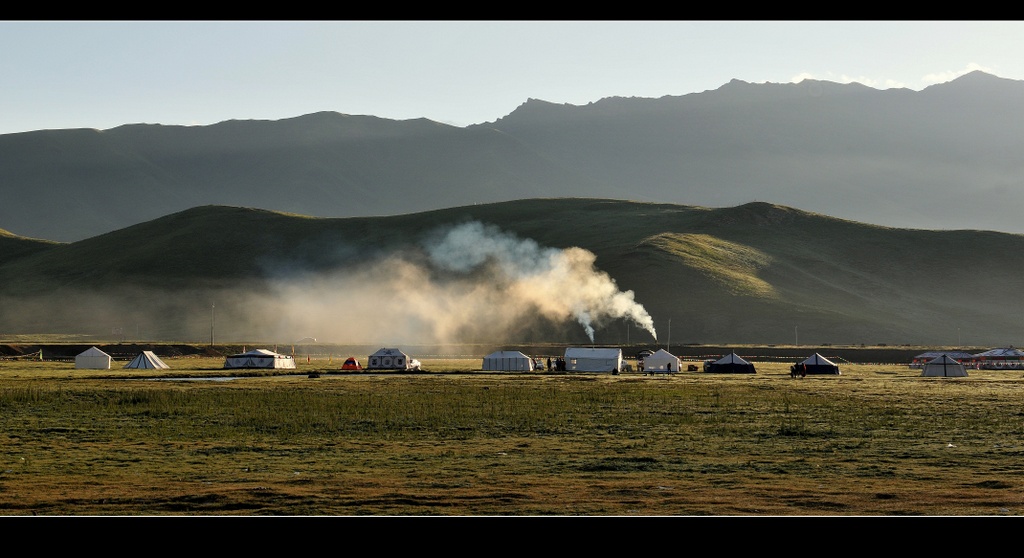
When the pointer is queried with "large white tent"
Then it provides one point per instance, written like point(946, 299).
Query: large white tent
point(147, 359)
point(507, 360)
point(944, 365)
point(661, 361)
point(391, 359)
point(93, 358)
point(1007, 358)
point(583, 359)
point(259, 358)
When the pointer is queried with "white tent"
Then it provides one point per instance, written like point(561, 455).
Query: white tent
point(661, 361)
point(146, 359)
point(944, 365)
point(391, 359)
point(93, 358)
point(507, 360)
point(259, 358)
point(582, 359)
point(1007, 358)
point(817, 364)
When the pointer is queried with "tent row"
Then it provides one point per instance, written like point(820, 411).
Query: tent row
point(1005, 358)
point(95, 359)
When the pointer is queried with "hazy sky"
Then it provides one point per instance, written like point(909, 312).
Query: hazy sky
point(102, 74)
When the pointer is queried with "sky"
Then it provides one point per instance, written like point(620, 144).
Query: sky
point(103, 74)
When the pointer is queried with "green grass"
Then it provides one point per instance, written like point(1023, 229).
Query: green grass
point(878, 440)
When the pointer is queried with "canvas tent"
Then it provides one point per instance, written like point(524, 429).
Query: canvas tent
point(731, 363)
point(817, 364)
point(507, 360)
point(661, 361)
point(391, 359)
point(944, 365)
point(920, 360)
point(583, 359)
point(259, 358)
point(93, 358)
point(147, 359)
point(351, 364)
point(1000, 359)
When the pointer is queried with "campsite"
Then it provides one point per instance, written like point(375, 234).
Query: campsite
point(452, 439)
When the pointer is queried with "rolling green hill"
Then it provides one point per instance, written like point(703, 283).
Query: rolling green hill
point(756, 273)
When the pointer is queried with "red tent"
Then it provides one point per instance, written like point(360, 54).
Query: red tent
point(351, 364)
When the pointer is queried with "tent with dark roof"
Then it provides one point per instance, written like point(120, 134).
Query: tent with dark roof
point(817, 364)
point(944, 365)
point(731, 363)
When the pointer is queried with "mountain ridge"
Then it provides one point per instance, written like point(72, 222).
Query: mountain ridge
point(837, 149)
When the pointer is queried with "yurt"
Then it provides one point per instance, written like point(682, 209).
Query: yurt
point(583, 359)
point(731, 363)
point(507, 360)
point(1000, 359)
point(147, 359)
point(817, 364)
point(351, 364)
point(661, 361)
point(94, 359)
point(391, 359)
point(944, 365)
point(259, 358)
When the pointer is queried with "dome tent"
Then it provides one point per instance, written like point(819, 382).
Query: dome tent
point(351, 364)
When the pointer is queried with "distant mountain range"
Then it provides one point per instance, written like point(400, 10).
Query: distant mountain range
point(947, 157)
point(526, 270)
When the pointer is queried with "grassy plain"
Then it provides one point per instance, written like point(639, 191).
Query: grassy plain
point(879, 440)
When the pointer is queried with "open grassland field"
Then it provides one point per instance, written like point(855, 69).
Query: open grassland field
point(878, 440)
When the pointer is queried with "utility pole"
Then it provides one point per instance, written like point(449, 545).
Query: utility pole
point(212, 322)
point(796, 335)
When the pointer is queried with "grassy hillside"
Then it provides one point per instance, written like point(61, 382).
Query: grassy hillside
point(757, 273)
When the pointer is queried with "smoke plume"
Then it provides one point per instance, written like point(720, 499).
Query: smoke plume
point(466, 283)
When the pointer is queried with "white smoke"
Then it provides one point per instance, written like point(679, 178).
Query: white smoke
point(471, 280)
point(558, 283)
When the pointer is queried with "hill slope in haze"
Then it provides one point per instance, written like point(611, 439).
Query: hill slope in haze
point(942, 158)
point(539, 269)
